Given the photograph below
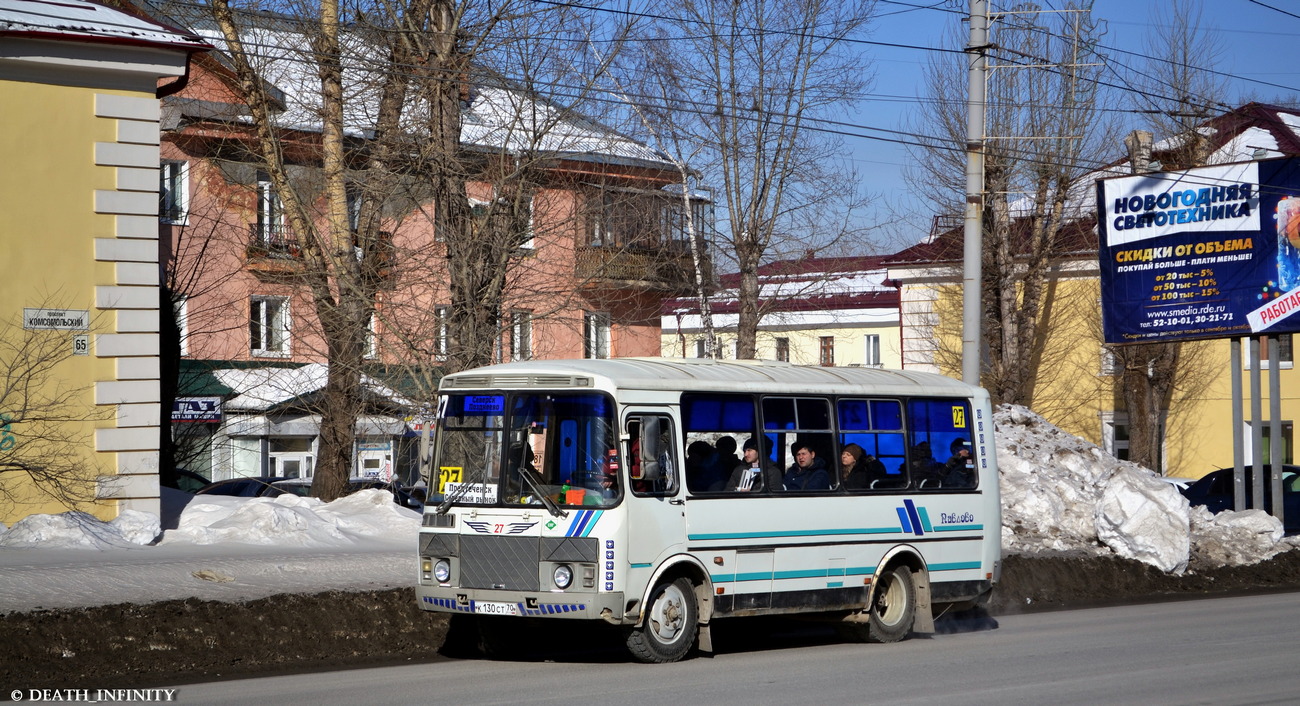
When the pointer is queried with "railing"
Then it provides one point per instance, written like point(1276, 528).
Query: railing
point(272, 241)
point(668, 268)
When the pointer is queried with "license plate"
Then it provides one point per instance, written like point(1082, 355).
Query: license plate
point(490, 608)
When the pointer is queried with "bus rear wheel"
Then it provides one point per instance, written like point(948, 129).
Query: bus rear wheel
point(670, 625)
point(893, 606)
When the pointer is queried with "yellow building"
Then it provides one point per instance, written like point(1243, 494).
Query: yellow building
point(1075, 379)
point(837, 311)
point(79, 116)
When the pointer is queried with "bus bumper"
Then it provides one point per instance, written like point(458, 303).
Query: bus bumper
point(573, 605)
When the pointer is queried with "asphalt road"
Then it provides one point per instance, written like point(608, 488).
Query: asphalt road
point(1243, 650)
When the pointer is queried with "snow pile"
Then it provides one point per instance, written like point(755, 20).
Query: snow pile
point(1064, 494)
point(290, 520)
point(79, 530)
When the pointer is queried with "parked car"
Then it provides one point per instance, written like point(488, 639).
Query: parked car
point(189, 481)
point(250, 487)
point(1214, 491)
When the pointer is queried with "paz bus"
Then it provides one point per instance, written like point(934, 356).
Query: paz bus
point(662, 495)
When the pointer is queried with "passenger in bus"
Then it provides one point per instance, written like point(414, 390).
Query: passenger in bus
point(724, 461)
point(756, 473)
point(859, 468)
point(702, 471)
point(808, 472)
point(926, 472)
point(959, 471)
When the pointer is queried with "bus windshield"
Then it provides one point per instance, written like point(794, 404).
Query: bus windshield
point(528, 449)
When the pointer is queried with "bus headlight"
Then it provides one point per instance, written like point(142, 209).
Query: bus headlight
point(563, 576)
point(442, 571)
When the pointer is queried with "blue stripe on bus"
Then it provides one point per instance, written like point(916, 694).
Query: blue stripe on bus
point(834, 584)
point(640, 566)
point(917, 527)
point(595, 517)
point(902, 517)
point(925, 519)
point(955, 566)
point(799, 574)
point(958, 528)
point(578, 523)
point(793, 533)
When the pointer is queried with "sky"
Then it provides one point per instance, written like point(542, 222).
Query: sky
point(1257, 52)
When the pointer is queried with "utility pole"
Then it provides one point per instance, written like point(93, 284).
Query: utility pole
point(972, 274)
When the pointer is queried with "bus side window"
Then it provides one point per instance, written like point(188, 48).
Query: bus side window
point(650, 455)
point(940, 449)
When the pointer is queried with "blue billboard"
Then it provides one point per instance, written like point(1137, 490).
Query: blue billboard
point(1212, 252)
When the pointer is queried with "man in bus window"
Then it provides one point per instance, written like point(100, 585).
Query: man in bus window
point(807, 472)
point(756, 473)
point(959, 471)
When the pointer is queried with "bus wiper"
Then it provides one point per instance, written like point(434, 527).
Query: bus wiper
point(459, 492)
point(551, 507)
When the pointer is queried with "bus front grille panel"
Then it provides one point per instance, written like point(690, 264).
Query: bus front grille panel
point(508, 563)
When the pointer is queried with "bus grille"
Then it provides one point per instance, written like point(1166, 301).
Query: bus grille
point(499, 562)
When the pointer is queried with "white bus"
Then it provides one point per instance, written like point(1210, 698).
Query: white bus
point(660, 495)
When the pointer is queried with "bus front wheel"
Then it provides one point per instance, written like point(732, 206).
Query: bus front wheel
point(670, 624)
point(893, 607)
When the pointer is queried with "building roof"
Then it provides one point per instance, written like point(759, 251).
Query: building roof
point(804, 284)
point(498, 114)
point(1252, 131)
point(84, 21)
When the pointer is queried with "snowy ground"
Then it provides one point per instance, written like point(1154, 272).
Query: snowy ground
point(1060, 494)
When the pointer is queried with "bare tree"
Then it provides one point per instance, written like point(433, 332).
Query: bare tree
point(1043, 131)
point(746, 81)
point(47, 426)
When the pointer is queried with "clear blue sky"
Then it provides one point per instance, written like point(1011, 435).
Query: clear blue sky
point(1258, 48)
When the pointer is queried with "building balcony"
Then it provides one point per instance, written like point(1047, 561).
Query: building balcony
point(668, 268)
point(272, 250)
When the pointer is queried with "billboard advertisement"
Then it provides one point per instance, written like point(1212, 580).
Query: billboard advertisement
point(1212, 252)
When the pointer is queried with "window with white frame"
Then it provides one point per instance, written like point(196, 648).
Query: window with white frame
point(181, 309)
point(871, 350)
point(1109, 361)
point(783, 350)
point(1277, 344)
point(1115, 437)
point(371, 349)
point(1285, 427)
point(700, 349)
point(268, 325)
point(440, 332)
point(531, 242)
point(521, 335)
point(173, 192)
point(270, 214)
point(595, 325)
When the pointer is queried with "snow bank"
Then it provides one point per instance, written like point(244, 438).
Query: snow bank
point(290, 520)
point(79, 530)
point(1062, 493)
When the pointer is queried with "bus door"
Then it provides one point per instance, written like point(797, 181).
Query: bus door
point(656, 514)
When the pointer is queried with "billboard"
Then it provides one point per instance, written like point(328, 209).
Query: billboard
point(1211, 252)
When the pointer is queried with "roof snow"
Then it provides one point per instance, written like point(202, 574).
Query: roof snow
point(87, 21)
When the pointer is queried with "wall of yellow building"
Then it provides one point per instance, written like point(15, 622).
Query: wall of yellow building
point(1074, 393)
point(47, 141)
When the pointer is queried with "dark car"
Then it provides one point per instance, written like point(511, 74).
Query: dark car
point(189, 481)
point(1214, 491)
point(251, 487)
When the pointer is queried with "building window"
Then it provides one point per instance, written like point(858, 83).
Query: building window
point(530, 242)
point(270, 215)
point(1115, 437)
point(595, 330)
point(268, 325)
point(440, 332)
point(1109, 362)
point(1266, 429)
point(370, 348)
point(826, 357)
point(871, 351)
point(181, 309)
point(521, 335)
point(700, 349)
point(783, 350)
point(173, 192)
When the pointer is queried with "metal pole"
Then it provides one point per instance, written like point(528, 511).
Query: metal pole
point(974, 226)
point(1238, 445)
point(1274, 428)
point(1256, 430)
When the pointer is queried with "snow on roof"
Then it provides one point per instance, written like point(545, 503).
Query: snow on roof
point(87, 21)
point(500, 115)
point(257, 389)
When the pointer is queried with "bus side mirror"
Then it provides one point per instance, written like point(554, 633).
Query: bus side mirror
point(650, 470)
